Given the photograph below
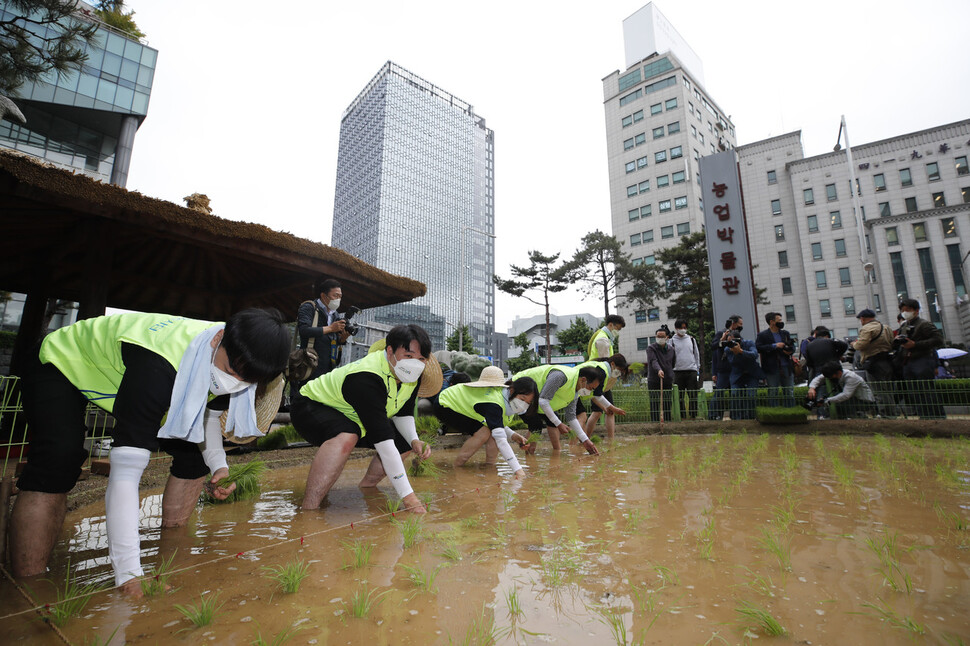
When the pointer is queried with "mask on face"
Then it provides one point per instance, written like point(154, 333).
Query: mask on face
point(661, 342)
point(780, 325)
point(739, 328)
point(222, 383)
point(907, 315)
point(616, 373)
point(518, 406)
point(583, 392)
point(682, 331)
point(333, 305)
point(408, 370)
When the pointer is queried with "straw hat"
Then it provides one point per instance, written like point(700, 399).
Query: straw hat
point(491, 376)
point(431, 377)
point(267, 406)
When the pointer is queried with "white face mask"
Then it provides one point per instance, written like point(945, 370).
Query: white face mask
point(518, 406)
point(583, 392)
point(333, 305)
point(222, 383)
point(907, 315)
point(661, 342)
point(616, 373)
point(682, 332)
point(408, 370)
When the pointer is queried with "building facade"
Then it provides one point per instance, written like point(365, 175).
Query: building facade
point(534, 328)
point(806, 242)
point(415, 196)
point(86, 120)
point(659, 122)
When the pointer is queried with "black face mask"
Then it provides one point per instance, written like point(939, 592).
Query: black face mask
point(780, 324)
point(739, 328)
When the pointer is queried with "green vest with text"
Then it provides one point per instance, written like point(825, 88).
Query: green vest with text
point(328, 388)
point(88, 352)
point(564, 395)
point(600, 334)
point(462, 399)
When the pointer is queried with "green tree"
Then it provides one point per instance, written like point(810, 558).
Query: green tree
point(597, 266)
point(526, 359)
point(540, 276)
point(28, 52)
point(686, 281)
point(112, 12)
point(577, 335)
point(452, 341)
point(642, 286)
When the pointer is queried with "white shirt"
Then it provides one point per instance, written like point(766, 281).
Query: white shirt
point(688, 356)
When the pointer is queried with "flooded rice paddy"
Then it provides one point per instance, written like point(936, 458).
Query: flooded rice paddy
point(660, 540)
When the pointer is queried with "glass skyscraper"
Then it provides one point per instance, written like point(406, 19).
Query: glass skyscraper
point(415, 184)
point(85, 120)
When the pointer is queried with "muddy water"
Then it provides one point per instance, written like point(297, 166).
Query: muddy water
point(660, 540)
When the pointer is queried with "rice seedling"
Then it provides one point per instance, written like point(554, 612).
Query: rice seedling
point(424, 469)
point(508, 499)
point(363, 601)
point(534, 438)
point(783, 517)
point(392, 505)
point(278, 639)
point(557, 568)
point(951, 520)
point(674, 488)
point(96, 640)
point(843, 473)
point(777, 544)
point(763, 585)
point(427, 427)
point(421, 579)
point(278, 438)
point(246, 476)
point(527, 524)
point(884, 613)
point(616, 622)
point(596, 439)
point(426, 499)
point(469, 522)
point(499, 533)
point(156, 581)
point(481, 631)
point(761, 618)
point(72, 599)
point(411, 530)
point(288, 577)
point(202, 614)
point(946, 474)
point(513, 605)
point(667, 576)
point(642, 452)
point(360, 553)
point(452, 553)
point(887, 552)
point(633, 518)
point(705, 539)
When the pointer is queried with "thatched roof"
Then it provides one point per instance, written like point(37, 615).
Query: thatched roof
point(70, 235)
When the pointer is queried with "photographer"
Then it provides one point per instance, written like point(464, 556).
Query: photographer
point(720, 368)
point(915, 359)
point(822, 350)
point(330, 332)
point(745, 373)
point(776, 349)
point(834, 385)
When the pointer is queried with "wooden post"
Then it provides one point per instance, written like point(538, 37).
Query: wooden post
point(6, 489)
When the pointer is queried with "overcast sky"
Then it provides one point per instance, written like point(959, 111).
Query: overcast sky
point(246, 104)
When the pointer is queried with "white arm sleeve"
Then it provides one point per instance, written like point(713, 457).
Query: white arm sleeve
point(498, 434)
point(212, 451)
point(546, 407)
point(121, 510)
point(394, 467)
point(406, 427)
point(603, 347)
point(603, 402)
point(578, 430)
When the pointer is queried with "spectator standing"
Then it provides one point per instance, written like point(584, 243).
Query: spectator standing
point(742, 355)
point(327, 335)
point(844, 388)
point(918, 340)
point(660, 373)
point(776, 349)
point(687, 365)
point(822, 350)
point(721, 368)
point(874, 348)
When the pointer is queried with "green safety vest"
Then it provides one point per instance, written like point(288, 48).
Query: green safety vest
point(463, 398)
point(328, 388)
point(600, 334)
point(602, 365)
point(88, 352)
point(565, 395)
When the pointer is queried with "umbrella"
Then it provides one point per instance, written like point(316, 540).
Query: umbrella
point(950, 353)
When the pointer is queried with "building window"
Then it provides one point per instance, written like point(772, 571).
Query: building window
point(667, 232)
point(929, 283)
point(693, 132)
point(831, 194)
point(826, 309)
point(635, 240)
point(884, 211)
point(835, 218)
point(809, 196)
point(700, 137)
point(671, 103)
point(627, 144)
point(782, 258)
point(633, 214)
point(640, 139)
point(812, 223)
point(640, 316)
point(933, 171)
point(899, 274)
point(938, 200)
point(641, 162)
point(892, 236)
point(631, 166)
point(664, 207)
point(905, 177)
point(663, 180)
point(776, 207)
point(961, 165)
point(876, 302)
point(789, 313)
point(660, 156)
point(643, 341)
point(644, 186)
point(816, 251)
point(879, 181)
point(840, 247)
point(656, 108)
point(786, 285)
point(646, 211)
point(772, 177)
point(956, 268)
point(779, 232)
point(653, 314)
point(676, 152)
point(845, 278)
point(631, 97)
point(919, 231)
point(648, 236)
point(631, 190)
point(683, 229)
point(966, 194)
point(627, 120)
point(849, 304)
point(911, 205)
point(649, 260)
point(949, 228)
point(673, 127)
point(679, 177)
point(658, 132)
point(638, 116)
point(681, 203)
point(820, 281)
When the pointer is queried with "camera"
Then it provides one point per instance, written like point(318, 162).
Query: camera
point(812, 404)
point(732, 341)
point(351, 328)
point(900, 340)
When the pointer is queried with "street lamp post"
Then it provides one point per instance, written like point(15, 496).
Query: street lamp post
point(867, 266)
point(461, 301)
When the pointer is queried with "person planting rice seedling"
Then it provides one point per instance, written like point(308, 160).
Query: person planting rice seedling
point(616, 367)
point(559, 389)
